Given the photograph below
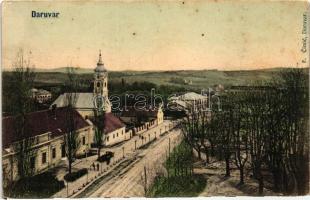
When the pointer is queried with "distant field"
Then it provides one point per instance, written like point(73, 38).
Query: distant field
point(198, 79)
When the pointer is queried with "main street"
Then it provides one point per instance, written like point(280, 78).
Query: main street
point(129, 179)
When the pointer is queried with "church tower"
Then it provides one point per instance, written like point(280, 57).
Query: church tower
point(101, 79)
point(101, 85)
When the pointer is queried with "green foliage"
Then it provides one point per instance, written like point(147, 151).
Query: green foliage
point(178, 186)
point(180, 159)
point(179, 181)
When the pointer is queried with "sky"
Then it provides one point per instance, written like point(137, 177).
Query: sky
point(156, 35)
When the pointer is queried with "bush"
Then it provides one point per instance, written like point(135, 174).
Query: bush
point(39, 186)
point(177, 186)
point(75, 175)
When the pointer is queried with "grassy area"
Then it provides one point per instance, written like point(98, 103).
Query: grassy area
point(181, 182)
point(178, 186)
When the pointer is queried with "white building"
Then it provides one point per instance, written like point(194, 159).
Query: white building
point(40, 95)
point(188, 101)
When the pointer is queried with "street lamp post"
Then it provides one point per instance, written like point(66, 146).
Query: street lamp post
point(67, 188)
point(86, 177)
point(86, 155)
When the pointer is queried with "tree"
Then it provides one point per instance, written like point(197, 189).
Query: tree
point(295, 86)
point(191, 129)
point(23, 80)
point(226, 129)
point(99, 116)
point(239, 136)
point(70, 138)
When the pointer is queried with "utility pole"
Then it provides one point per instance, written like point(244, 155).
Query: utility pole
point(169, 146)
point(145, 180)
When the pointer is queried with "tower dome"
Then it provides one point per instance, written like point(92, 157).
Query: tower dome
point(100, 66)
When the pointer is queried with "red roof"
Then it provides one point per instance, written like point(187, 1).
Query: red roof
point(111, 123)
point(38, 123)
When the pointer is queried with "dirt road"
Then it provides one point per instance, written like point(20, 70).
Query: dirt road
point(128, 179)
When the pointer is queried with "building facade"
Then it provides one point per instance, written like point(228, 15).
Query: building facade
point(40, 95)
point(44, 133)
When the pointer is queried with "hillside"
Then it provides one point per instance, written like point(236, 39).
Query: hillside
point(190, 79)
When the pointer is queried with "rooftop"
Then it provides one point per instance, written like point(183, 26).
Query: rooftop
point(40, 122)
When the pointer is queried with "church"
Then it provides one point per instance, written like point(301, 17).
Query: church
point(85, 105)
point(85, 102)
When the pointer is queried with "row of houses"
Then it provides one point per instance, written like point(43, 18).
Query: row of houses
point(45, 133)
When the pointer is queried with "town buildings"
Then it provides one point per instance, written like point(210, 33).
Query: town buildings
point(141, 119)
point(188, 102)
point(40, 95)
point(45, 131)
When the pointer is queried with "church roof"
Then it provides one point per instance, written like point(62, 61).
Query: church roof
point(38, 123)
point(83, 100)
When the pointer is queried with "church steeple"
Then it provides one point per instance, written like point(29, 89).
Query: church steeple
point(101, 78)
point(100, 59)
point(100, 66)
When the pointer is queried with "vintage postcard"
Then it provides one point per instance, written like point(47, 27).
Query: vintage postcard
point(170, 98)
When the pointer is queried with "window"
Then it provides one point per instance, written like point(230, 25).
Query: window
point(98, 84)
point(122, 132)
point(32, 162)
point(117, 134)
point(83, 140)
point(113, 136)
point(44, 158)
point(63, 151)
point(108, 139)
point(54, 152)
